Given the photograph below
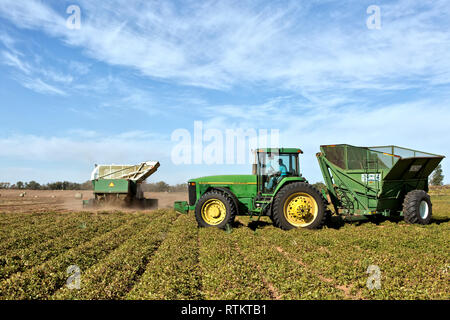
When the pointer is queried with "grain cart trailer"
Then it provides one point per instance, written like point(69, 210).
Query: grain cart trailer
point(378, 181)
point(120, 185)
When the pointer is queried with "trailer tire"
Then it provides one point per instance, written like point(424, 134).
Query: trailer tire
point(91, 204)
point(305, 192)
point(220, 203)
point(417, 207)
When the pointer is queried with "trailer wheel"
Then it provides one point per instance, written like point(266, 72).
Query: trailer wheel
point(215, 209)
point(299, 205)
point(417, 207)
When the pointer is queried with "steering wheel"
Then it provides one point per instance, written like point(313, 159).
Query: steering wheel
point(274, 174)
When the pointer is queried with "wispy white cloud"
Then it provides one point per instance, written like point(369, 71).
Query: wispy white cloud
point(73, 155)
point(13, 60)
point(87, 146)
point(419, 124)
point(223, 44)
point(40, 86)
point(7, 40)
point(30, 74)
point(319, 70)
point(79, 67)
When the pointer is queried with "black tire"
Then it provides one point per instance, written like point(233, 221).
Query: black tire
point(412, 207)
point(278, 213)
point(376, 218)
point(91, 204)
point(225, 199)
point(328, 215)
point(151, 204)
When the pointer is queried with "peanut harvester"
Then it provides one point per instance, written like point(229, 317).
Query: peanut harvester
point(121, 185)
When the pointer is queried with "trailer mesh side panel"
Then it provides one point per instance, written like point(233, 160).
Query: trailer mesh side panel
point(336, 155)
point(358, 158)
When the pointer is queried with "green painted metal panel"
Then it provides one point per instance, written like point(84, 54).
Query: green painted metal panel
point(181, 206)
point(280, 150)
point(244, 187)
point(240, 185)
point(111, 186)
point(413, 168)
point(287, 180)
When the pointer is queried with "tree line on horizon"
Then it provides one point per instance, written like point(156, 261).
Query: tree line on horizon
point(58, 185)
point(436, 179)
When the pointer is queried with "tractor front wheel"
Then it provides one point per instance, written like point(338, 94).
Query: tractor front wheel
point(215, 209)
point(299, 205)
point(417, 207)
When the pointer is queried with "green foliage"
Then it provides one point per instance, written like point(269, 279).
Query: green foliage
point(111, 277)
point(32, 185)
point(437, 178)
point(163, 255)
point(162, 186)
point(59, 185)
point(320, 185)
point(43, 280)
point(66, 185)
point(173, 273)
point(5, 185)
point(20, 185)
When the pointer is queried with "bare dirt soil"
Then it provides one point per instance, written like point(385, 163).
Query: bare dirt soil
point(65, 200)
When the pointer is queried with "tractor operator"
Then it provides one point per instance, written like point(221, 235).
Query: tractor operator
point(282, 172)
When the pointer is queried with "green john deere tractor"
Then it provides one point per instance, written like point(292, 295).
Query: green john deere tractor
point(275, 189)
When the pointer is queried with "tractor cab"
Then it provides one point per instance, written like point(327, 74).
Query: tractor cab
point(275, 164)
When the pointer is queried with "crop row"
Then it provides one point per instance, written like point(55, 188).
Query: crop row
point(48, 227)
point(288, 276)
point(310, 248)
point(407, 256)
point(81, 230)
point(13, 224)
point(225, 273)
point(41, 281)
point(10, 219)
point(14, 220)
point(173, 271)
point(113, 276)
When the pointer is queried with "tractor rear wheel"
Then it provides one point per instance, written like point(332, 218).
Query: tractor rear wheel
point(215, 209)
point(299, 205)
point(417, 207)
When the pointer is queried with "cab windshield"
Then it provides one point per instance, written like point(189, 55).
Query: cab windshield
point(273, 167)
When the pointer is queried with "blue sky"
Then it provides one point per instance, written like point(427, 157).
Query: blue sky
point(115, 90)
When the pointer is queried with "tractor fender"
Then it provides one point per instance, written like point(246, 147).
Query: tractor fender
point(287, 181)
point(230, 194)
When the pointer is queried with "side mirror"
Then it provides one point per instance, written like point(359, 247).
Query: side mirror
point(254, 168)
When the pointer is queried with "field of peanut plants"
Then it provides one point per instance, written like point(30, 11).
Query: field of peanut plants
point(163, 255)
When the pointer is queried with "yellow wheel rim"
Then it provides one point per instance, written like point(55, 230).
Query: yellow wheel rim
point(214, 212)
point(300, 209)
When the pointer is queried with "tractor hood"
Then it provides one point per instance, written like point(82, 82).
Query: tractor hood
point(226, 179)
